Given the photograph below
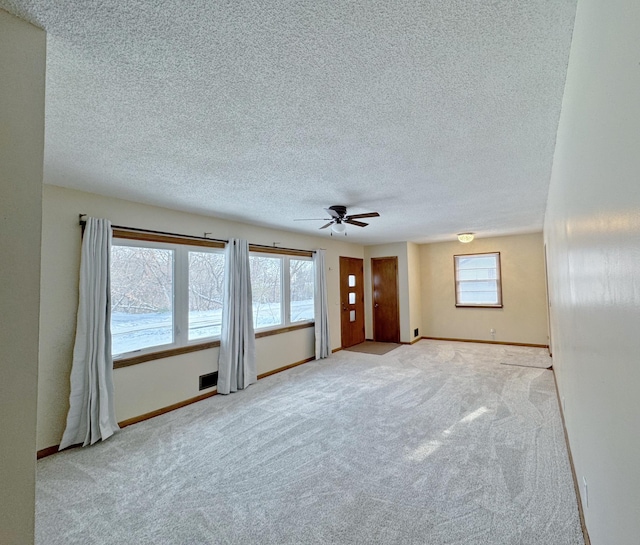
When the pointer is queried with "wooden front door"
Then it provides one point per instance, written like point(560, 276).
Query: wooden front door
point(386, 313)
point(351, 301)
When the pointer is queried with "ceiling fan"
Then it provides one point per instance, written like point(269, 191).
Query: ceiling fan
point(339, 218)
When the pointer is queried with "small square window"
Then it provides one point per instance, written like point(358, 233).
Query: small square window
point(478, 282)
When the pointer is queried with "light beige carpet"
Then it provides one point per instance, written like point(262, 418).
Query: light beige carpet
point(537, 358)
point(373, 347)
point(434, 443)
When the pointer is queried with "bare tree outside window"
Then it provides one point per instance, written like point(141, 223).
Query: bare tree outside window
point(141, 298)
point(266, 287)
point(206, 289)
point(301, 286)
point(167, 295)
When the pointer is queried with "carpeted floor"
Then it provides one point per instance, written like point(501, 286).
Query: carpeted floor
point(537, 358)
point(434, 443)
point(373, 347)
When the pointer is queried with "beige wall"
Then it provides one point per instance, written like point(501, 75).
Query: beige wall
point(523, 318)
point(22, 80)
point(152, 385)
point(592, 231)
point(399, 250)
point(414, 281)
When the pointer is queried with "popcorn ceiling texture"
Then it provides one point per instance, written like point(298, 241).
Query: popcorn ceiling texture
point(441, 116)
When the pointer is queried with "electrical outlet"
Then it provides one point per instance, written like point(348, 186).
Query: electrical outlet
point(492, 331)
point(586, 491)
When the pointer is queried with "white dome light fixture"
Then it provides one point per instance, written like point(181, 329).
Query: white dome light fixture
point(338, 227)
point(465, 237)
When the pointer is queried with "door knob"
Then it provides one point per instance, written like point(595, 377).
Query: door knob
point(376, 305)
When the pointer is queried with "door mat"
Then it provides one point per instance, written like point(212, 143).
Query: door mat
point(372, 347)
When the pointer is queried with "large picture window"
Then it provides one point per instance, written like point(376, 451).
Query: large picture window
point(478, 282)
point(163, 296)
point(166, 296)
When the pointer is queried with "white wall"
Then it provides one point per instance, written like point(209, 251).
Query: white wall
point(592, 231)
point(523, 318)
point(22, 80)
point(156, 384)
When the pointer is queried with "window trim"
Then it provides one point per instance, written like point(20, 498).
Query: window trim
point(169, 239)
point(285, 288)
point(498, 281)
point(160, 354)
point(287, 264)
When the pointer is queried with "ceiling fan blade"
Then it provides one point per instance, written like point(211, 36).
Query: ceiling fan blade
point(327, 225)
point(332, 212)
point(367, 215)
point(358, 223)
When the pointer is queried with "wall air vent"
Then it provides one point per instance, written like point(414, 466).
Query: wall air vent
point(208, 380)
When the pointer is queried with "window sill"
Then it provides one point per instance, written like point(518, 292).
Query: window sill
point(478, 306)
point(134, 360)
point(284, 329)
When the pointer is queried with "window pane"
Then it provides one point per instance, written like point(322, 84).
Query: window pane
point(476, 274)
point(352, 280)
point(266, 290)
point(301, 288)
point(206, 285)
point(476, 262)
point(486, 285)
point(480, 297)
point(141, 298)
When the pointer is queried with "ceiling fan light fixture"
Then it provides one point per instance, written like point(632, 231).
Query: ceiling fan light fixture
point(465, 237)
point(338, 227)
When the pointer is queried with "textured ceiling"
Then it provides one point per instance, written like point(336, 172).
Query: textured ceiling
point(440, 115)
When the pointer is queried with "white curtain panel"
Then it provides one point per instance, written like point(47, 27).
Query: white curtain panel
point(91, 414)
point(323, 344)
point(237, 358)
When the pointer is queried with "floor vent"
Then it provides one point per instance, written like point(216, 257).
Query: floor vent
point(208, 380)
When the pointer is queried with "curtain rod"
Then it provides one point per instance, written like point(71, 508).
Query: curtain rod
point(194, 237)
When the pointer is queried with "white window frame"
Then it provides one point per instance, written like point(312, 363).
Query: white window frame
point(180, 294)
point(285, 289)
point(498, 281)
point(287, 266)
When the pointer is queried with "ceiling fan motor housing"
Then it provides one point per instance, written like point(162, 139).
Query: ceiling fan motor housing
point(340, 210)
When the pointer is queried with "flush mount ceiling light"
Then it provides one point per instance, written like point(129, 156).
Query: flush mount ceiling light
point(465, 237)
